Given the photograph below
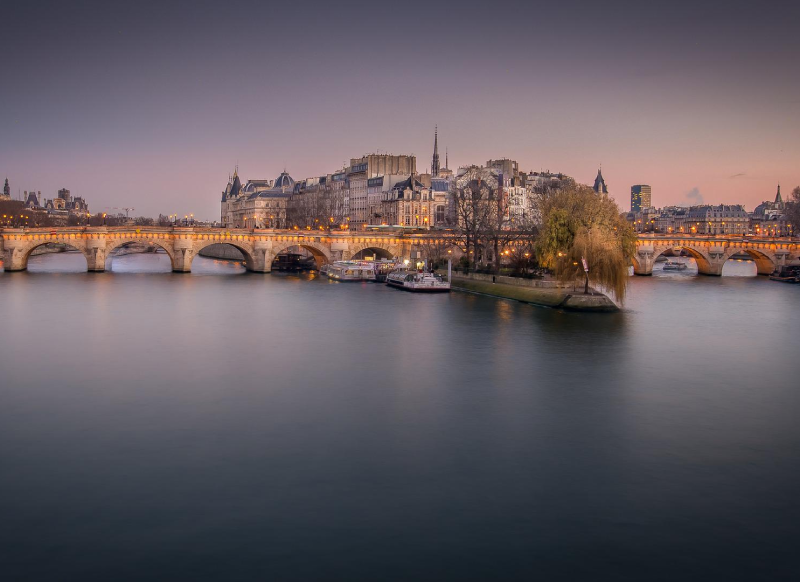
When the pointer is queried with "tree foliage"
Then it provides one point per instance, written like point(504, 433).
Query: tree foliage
point(579, 224)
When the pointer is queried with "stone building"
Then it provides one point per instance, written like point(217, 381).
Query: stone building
point(6, 195)
point(718, 220)
point(257, 204)
point(32, 199)
point(360, 170)
point(769, 218)
point(65, 202)
point(443, 214)
point(378, 189)
point(538, 182)
point(411, 203)
point(508, 168)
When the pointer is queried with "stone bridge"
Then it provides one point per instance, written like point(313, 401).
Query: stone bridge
point(712, 252)
point(259, 247)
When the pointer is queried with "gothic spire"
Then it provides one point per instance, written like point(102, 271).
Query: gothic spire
point(778, 198)
point(435, 164)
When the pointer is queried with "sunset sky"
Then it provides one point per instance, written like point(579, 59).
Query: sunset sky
point(151, 104)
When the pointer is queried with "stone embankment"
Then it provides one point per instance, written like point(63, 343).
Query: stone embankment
point(543, 293)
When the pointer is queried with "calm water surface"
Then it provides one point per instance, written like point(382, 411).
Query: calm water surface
point(232, 426)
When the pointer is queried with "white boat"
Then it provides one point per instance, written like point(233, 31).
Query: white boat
point(349, 271)
point(674, 266)
point(417, 281)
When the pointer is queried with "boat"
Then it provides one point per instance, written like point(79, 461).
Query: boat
point(674, 266)
point(417, 281)
point(786, 274)
point(383, 267)
point(349, 271)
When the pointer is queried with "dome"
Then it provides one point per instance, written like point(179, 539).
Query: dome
point(284, 182)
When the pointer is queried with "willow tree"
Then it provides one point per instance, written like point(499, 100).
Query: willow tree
point(580, 225)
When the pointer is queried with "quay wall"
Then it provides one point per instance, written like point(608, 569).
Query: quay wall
point(550, 295)
point(516, 281)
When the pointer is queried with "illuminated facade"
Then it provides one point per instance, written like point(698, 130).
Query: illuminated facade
point(257, 204)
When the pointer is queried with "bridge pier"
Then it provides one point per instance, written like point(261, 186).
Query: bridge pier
point(261, 260)
point(182, 251)
point(14, 250)
point(645, 259)
point(96, 251)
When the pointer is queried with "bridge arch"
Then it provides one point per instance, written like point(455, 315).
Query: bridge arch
point(119, 243)
point(321, 254)
point(703, 263)
point(765, 265)
point(247, 253)
point(383, 251)
point(67, 242)
point(376, 251)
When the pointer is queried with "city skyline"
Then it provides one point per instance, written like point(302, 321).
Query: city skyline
point(153, 108)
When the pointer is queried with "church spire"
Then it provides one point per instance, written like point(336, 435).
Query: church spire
point(435, 164)
point(778, 198)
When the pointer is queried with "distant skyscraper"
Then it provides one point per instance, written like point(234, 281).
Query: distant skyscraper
point(435, 163)
point(640, 197)
point(600, 184)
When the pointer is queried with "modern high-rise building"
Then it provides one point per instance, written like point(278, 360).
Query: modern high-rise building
point(641, 197)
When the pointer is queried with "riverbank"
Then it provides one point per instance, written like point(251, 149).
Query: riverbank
point(540, 293)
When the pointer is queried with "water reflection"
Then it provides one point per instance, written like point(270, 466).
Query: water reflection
point(288, 427)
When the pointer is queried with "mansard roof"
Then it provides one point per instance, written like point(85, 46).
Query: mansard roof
point(407, 184)
point(270, 194)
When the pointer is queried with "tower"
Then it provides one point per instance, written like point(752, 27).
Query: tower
point(600, 184)
point(778, 198)
point(7, 191)
point(435, 164)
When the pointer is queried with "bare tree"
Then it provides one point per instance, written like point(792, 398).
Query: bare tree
point(472, 194)
point(793, 210)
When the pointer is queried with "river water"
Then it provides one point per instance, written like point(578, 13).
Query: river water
point(231, 426)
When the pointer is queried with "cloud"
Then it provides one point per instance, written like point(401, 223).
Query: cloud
point(694, 196)
point(739, 175)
